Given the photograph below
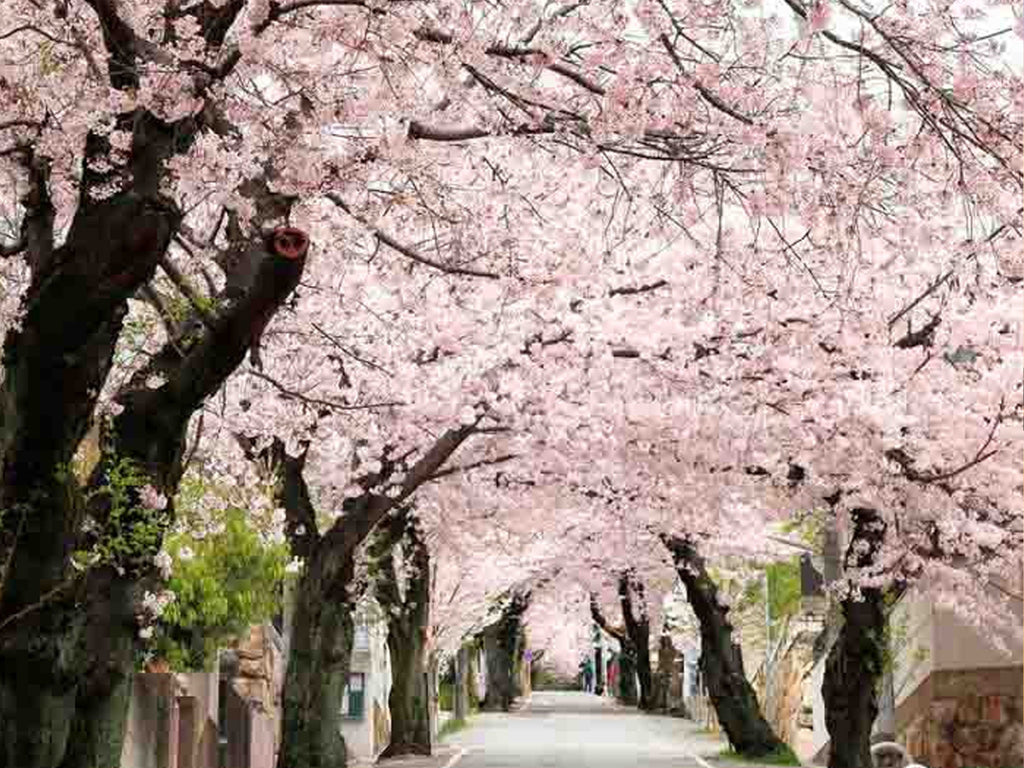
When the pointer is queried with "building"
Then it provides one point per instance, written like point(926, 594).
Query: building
point(365, 719)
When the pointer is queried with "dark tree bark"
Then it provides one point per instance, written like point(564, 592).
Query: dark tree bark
point(501, 645)
point(721, 660)
point(408, 618)
point(638, 629)
point(854, 666)
point(321, 643)
point(67, 638)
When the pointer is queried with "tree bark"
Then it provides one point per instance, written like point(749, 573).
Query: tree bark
point(321, 644)
point(408, 618)
point(721, 660)
point(318, 664)
point(501, 642)
point(638, 630)
point(66, 638)
point(854, 665)
point(54, 369)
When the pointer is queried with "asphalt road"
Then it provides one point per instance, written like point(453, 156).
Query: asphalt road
point(579, 730)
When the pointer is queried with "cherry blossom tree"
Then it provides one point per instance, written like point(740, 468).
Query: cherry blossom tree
point(679, 249)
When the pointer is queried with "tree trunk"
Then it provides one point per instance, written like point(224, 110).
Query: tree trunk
point(853, 668)
point(643, 672)
point(501, 642)
point(318, 665)
point(721, 660)
point(598, 672)
point(321, 643)
point(408, 618)
point(55, 365)
point(638, 630)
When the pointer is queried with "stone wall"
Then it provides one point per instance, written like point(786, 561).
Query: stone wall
point(966, 719)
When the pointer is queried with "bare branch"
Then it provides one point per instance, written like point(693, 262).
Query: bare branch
point(632, 290)
point(290, 394)
point(474, 465)
point(939, 281)
point(407, 250)
point(707, 95)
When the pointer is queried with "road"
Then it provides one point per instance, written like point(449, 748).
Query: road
point(579, 730)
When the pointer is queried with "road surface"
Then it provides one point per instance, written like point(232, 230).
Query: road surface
point(579, 730)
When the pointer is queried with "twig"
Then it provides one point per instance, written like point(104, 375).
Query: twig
point(333, 404)
point(474, 465)
point(407, 250)
point(630, 290)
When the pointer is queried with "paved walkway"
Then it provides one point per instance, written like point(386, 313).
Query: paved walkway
point(579, 730)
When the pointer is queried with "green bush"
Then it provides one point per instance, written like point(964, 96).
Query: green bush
point(232, 580)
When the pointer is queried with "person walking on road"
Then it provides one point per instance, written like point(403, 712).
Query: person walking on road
point(588, 676)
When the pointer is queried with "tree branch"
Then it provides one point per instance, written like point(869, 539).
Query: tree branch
point(407, 250)
point(595, 612)
point(631, 290)
point(706, 94)
point(290, 492)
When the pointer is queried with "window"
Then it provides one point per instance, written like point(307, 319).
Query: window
point(352, 701)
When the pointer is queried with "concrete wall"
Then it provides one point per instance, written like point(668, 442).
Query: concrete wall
point(172, 721)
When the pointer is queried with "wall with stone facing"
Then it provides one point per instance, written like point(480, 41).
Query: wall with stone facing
point(966, 719)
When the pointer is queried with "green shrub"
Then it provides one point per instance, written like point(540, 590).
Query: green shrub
point(232, 580)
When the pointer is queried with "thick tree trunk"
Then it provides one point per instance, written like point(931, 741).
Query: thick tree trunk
point(644, 674)
point(518, 661)
point(853, 668)
point(54, 367)
point(721, 660)
point(501, 642)
point(638, 630)
point(408, 618)
point(318, 665)
point(321, 643)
